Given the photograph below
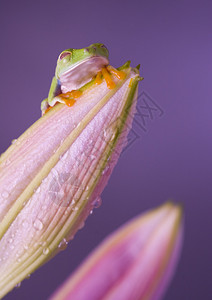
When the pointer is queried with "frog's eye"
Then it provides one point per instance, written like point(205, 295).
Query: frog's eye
point(64, 54)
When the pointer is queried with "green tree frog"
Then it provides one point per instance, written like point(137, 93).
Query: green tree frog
point(75, 68)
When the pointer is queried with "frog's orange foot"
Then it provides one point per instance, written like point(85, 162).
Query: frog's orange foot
point(48, 108)
point(106, 74)
point(70, 97)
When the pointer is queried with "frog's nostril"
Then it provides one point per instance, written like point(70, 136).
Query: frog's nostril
point(64, 54)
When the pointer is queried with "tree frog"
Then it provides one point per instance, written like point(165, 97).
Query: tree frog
point(75, 67)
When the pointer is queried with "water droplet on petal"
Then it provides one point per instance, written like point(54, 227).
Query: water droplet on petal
point(78, 124)
point(82, 224)
point(38, 225)
point(63, 244)
point(105, 169)
point(25, 223)
point(7, 162)
point(97, 202)
point(64, 156)
point(45, 251)
point(92, 156)
point(14, 141)
point(5, 194)
point(18, 285)
point(38, 190)
point(105, 133)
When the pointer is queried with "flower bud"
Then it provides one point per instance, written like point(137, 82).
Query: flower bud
point(136, 262)
point(53, 175)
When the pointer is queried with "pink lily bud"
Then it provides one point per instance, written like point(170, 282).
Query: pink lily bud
point(52, 176)
point(136, 262)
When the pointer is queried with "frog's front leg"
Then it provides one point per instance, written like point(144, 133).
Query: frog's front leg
point(53, 92)
point(44, 106)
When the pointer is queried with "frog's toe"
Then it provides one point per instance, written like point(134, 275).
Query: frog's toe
point(106, 74)
point(119, 74)
point(69, 98)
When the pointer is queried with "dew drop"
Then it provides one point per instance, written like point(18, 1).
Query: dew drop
point(38, 225)
point(105, 133)
point(5, 194)
point(61, 142)
point(25, 223)
point(35, 244)
point(64, 156)
point(44, 207)
point(63, 244)
point(7, 162)
point(14, 141)
point(92, 156)
point(82, 224)
point(78, 124)
point(91, 212)
point(18, 254)
point(45, 251)
point(44, 243)
point(18, 285)
point(105, 169)
point(97, 202)
point(38, 190)
point(26, 247)
point(10, 240)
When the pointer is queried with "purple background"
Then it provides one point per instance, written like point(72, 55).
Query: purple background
point(172, 41)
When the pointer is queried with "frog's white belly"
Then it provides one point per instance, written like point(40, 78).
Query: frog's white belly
point(82, 73)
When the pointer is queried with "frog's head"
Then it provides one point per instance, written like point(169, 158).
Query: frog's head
point(80, 60)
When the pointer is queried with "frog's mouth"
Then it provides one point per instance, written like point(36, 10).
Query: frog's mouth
point(81, 73)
